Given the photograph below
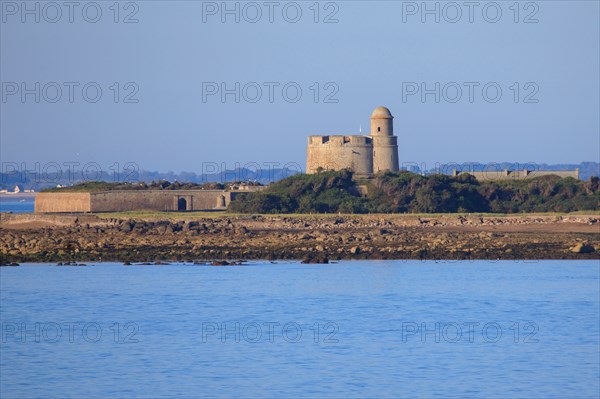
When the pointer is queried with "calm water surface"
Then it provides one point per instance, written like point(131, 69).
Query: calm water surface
point(353, 329)
point(20, 205)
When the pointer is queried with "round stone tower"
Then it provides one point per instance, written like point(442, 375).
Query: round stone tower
point(385, 144)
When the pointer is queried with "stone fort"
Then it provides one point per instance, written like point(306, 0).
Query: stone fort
point(365, 155)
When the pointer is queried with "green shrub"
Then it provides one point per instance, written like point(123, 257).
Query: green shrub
point(405, 192)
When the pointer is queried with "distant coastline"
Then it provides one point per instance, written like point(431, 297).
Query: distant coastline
point(265, 174)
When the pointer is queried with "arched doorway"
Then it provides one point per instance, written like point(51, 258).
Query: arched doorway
point(181, 204)
point(221, 202)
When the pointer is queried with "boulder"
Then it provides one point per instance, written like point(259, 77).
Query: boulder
point(224, 263)
point(314, 258)
point(3, 263)
point(355, 250)
point(583, 249)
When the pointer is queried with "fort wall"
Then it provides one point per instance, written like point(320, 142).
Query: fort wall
point(134, 200)
point(519, 174)
point(167, 200)
point(340, 152)
point(382, 125)
point(62, 202)
point(385, 153)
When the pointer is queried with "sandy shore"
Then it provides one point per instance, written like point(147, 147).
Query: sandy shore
point(50, 238)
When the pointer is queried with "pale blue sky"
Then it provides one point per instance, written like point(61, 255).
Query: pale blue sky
point(369, 55)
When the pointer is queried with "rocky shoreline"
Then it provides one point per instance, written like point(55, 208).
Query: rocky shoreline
point(312, 238)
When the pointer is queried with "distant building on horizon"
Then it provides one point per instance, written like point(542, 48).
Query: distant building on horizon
point(17, 190)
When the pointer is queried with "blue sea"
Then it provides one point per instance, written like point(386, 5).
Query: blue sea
point(16, 205)
point(284, 330)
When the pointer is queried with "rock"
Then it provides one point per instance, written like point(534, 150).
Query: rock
point(355, 250)
point(220, 263)
point(315, 259)
point(70, 264)
point(583, 249)
point(320, 248)
point(127, 226)
point(177, 226)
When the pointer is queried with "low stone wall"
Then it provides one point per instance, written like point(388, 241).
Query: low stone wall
point(62, 202)
point(167, 200)
point(521, 174)
point(121, 201)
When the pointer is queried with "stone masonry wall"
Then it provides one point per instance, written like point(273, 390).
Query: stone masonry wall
point(385, 153)
point(120, 201)
point(167, 200)
point(339, 152)
point(62, 202)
